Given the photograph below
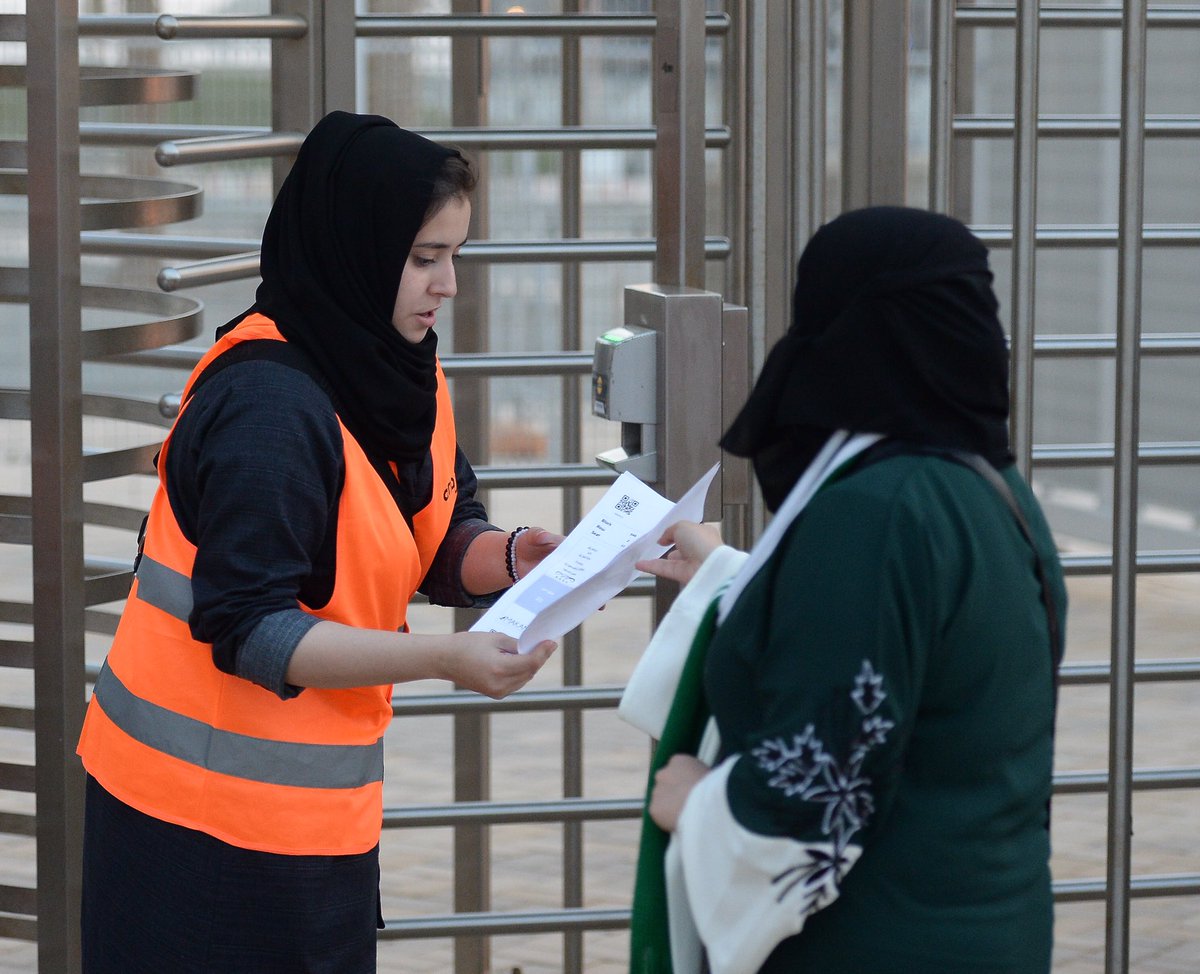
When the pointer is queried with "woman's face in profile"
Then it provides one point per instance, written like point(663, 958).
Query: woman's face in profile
point(428, 278)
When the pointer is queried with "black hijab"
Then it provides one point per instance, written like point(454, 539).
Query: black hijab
point(894, 331)
point(334, 247)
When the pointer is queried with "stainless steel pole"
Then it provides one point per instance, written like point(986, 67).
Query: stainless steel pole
point(1125, 483)
point(1024, 246)
point(56, 411)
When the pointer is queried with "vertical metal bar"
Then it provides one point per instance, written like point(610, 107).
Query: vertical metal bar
point(941, 109)
point(770, 227)
point(770, 181)
point(810, 25)
point(572, 656)
point(56, 411)
point(733, 171)
point(472, 732)
point(1125, 482)
point(1024, 241)
point(874, 103)
point(314, 74)
point(736, 62)
point(679, 157)
point(961, 161)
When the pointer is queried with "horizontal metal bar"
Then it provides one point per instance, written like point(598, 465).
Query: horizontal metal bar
point(281, 26)
point(18, 899)
point(105, 85)
point(1145, 779)
point(1166, 344)
point(1144, 671)
point(562, 251)
point(119, 243)
point(103, 623)
point(100, 589)
point(18, 928)
point(169, 28)
point(175, 318)
point(16, 529)
point(14, 823)
point(12, 27)
point(113, 515)
point(213, 271)
point(17, 777)
point(96, 565)
point(13, 154)
point(553, 364)
point(521, 25)
point(1148, 563)
point(219, 148)
point(107, 464)
point(487, 364)
point(465, 702)
point(127, 409)
point(508, 813)
point(1082, 455)
point(99, 86)
point(561, 475)
point(123, 133)
point(1096, 236)
point(20, 612)
point(16, 653)
point(494, 924)
point(116, 25)
point(1080, 890)
point(1076, 15)
point(16, 718)
point(568, 137)
point(122, 201)
point(1076, 126)
point(241, 266)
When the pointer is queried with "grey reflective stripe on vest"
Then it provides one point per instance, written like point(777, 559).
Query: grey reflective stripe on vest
point(164, 588)
point(251, 758)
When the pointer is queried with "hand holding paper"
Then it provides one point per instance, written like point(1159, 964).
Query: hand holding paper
point(595, 561)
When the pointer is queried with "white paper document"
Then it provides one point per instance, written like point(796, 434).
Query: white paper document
point(594, 562)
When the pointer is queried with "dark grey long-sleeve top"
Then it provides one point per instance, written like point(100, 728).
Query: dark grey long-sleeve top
point(253, 475)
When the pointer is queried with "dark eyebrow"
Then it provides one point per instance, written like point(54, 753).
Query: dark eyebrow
point(435, 245)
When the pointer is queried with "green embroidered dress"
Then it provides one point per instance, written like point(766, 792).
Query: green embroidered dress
point(884, 692)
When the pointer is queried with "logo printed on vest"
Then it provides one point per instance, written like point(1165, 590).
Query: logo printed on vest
point(451, 487)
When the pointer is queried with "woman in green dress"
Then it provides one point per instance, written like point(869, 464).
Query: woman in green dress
point(881, 670)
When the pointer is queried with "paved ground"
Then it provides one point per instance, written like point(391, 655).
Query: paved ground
point(526, 758)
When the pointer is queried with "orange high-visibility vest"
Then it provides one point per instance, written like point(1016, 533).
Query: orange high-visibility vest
point(174, 737)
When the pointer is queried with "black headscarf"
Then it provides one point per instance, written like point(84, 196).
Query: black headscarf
point(333, 250)
point(894, 331)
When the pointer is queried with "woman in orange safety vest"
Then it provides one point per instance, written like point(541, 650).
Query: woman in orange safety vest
point(311, 484)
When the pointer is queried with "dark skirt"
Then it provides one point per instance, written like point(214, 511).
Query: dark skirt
point(158, 897)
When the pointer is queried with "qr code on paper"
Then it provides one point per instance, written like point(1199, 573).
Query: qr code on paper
point(627, 505)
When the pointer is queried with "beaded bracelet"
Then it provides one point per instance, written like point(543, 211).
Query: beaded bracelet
point(510, 553)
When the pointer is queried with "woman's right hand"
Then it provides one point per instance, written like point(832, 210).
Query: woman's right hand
point(488, 662)
point(692, 544)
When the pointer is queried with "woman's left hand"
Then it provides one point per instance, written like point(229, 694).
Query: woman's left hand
point(532, 546)
point(673, 782)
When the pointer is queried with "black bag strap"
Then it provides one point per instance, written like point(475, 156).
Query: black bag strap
point(992, 476)
point(973, 461)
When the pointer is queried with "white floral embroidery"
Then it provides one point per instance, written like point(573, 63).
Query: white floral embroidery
point(804, 768)
point(795, 766)
point(868, 689)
